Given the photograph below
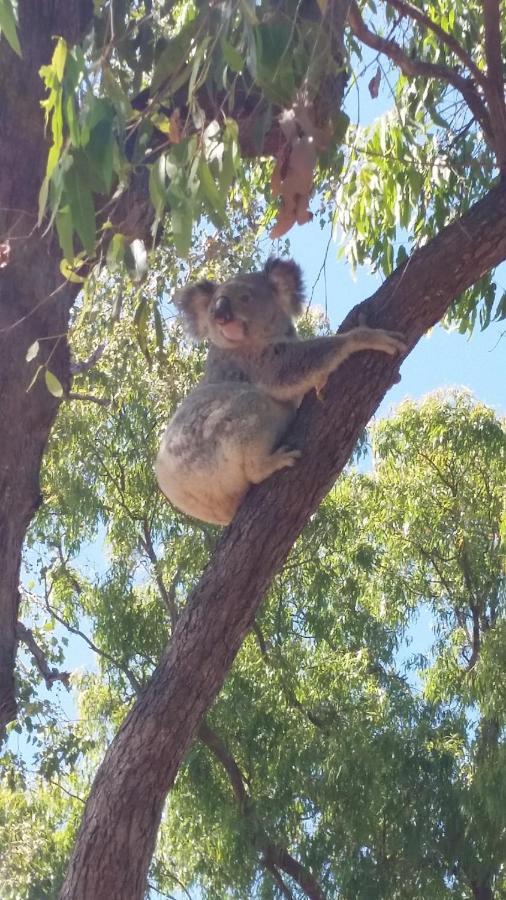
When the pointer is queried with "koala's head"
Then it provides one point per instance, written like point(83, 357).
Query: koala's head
point(248, 310)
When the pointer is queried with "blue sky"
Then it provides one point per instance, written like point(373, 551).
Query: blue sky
point(441, 359)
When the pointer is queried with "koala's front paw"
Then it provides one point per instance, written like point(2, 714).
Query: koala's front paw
point(390, 342)
point(393, 341)
point(286, 456)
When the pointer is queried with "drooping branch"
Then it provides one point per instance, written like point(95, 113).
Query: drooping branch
point(408, 9)
point(49, 673)
point(274, 856)
point(126, 801)
point(129, 675)
point(414, 68)
point(218, 748)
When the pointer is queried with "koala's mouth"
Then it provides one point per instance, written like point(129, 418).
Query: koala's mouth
point(233, 331)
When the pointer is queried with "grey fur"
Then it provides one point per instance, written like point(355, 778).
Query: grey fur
point(224, 436)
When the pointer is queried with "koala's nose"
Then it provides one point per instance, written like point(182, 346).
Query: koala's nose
point(222, 312)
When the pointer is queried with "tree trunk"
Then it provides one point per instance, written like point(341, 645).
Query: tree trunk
point(481, 891)
point(121, 817)
point(34, 301)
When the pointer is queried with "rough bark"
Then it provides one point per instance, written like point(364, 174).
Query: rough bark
point(34, 301)
point(121, 818)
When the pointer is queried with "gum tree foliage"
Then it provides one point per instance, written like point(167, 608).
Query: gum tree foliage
point(124, 125)
point(339, 759)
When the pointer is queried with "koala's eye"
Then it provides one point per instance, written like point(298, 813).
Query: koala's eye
point(245, 298)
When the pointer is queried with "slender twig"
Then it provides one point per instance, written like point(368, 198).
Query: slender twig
point(88, 398)
point(129, 675)
point(66, 791)
point(168, 595)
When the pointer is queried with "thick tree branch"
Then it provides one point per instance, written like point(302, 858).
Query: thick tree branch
point(274, 856)
point(34, 300)
point(415, 68)
point(218, 748)
point(493, 52)
point(277, 879)
point(50, 675)
point(281, 859)
point(407, 9)
point(494, 88)
point(126, 802)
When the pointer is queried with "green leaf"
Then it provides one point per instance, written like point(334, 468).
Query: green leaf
point(182, 221)
point(72, 120)
point(116, 252)
point(43, 195)
point(116, 94)
point(500, 311)
point(141, 324)
point(173, 56)
point(196, 74)
point(232, 57)
point(70, 274)
point(59, 58)
point(8, 25)
point(99, 151)
point(214, 200)
point(53, 384)
point(158, 331)
point(82, 208)
point(32, 351)
point(65, 230)
point(274, 60)
point(157, 192)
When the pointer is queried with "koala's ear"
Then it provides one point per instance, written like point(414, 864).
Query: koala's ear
point(193, 303)
point(286, 278)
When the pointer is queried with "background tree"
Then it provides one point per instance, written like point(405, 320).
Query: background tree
point(336, 759)
point(153, 112)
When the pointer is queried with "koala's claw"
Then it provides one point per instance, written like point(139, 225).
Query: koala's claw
point(287, 456)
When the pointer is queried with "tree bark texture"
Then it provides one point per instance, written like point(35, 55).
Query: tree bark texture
point(34, 301)
point(121, 817)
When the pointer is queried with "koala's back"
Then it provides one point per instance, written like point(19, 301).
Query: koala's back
point(202, 465)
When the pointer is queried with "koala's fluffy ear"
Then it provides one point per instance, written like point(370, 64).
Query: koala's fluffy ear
point(286, 278)
point(193, 303)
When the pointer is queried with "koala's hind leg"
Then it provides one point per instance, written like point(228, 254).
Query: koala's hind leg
point(259, 467)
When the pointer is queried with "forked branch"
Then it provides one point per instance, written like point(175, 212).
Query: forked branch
point(418, 68)
point(274, 856)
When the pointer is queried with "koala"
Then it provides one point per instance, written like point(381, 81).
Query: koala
point(228, 433)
